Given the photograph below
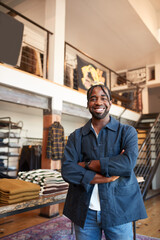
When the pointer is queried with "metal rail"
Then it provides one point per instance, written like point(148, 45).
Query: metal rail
point(149, 157)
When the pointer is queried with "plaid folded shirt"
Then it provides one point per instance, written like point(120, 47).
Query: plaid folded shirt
point(55, 143)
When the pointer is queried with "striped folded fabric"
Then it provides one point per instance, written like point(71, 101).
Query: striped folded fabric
point(51, 181)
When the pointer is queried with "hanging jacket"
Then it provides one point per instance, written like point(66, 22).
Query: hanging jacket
point(55, 143)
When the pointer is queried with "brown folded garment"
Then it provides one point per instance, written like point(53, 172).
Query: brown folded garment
point(54, 191)
point(18, 195)
point(17, 200)
point(14, 186)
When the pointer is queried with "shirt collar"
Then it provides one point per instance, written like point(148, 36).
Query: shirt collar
point(56, 124)
point(112, 125)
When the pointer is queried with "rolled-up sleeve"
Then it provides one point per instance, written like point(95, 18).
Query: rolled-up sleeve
point(122, 164)
point(71, 171)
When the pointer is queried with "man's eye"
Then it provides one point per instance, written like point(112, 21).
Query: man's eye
point(104, 99)
point(92, 99)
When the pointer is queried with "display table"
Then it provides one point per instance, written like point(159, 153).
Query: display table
point(40, 202)
point(43, 201)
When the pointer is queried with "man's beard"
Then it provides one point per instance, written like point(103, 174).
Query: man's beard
point(99, 115)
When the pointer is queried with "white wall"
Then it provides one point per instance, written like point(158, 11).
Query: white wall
point(31, 118)
point(32, 9)
point(154, 100)
point(156, 179)
point(148, 15)
point(28, 82)
point(70, 123)
point(145, 100)
point(154, 107)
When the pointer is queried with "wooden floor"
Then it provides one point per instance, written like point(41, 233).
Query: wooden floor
point(149, 226)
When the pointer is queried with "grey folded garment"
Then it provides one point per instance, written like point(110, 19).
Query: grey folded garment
point(4, 153)
point(9, 154)
point(12, 144)
point(2, 134)
point(3, 144)
point(1, 163)
point(7, 134)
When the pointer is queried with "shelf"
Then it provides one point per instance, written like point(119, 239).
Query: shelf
point(153, 83)
point(7, 124)
point(10, 137)
point(8, 155)
point(123, 88)
point(6, 145)
point(9, 140)
point(9, 169)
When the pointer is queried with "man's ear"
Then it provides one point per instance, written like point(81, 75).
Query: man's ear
point(87, 105)
point(110, 102)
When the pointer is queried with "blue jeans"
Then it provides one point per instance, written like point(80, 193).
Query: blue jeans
point(93, 231)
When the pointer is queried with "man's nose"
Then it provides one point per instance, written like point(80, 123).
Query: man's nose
point(99, 101)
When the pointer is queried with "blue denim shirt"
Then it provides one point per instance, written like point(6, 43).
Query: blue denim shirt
point(121, 200)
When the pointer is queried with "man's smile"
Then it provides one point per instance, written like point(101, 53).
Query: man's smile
point(99, 109)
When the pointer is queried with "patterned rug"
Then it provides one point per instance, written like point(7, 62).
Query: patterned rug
point(55, 229)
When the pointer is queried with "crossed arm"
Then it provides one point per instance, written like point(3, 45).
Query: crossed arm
point(104, 170)
point(96, 167)
point(98, 178)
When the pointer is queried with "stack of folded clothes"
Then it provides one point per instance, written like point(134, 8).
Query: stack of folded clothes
point(15, 190)
point(50, 181)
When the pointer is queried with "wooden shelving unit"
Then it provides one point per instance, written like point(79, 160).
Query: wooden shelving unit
point(9, 144)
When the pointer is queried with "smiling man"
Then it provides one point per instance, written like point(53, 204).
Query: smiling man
point(98, 164)
point(99, 102)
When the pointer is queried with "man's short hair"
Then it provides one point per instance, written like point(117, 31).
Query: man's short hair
point(90, 90)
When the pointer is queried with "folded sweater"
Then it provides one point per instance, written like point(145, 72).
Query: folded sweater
point(17, 200)
point(18, 195)
point(14, 186)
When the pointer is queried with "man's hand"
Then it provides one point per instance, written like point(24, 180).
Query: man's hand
point(98, 178)
point(82, 164)
point(122, 151)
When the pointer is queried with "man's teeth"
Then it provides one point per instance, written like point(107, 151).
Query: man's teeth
point(99, 110)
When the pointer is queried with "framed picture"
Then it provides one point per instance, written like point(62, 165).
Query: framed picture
point(89, 75)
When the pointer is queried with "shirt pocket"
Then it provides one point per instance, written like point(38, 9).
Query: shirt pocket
point(125, 197)
point(114, 150)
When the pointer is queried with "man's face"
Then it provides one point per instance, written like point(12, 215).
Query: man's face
point(99, 103)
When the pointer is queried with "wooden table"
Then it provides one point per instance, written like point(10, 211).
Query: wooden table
point(43, 201)
point(40, 202)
